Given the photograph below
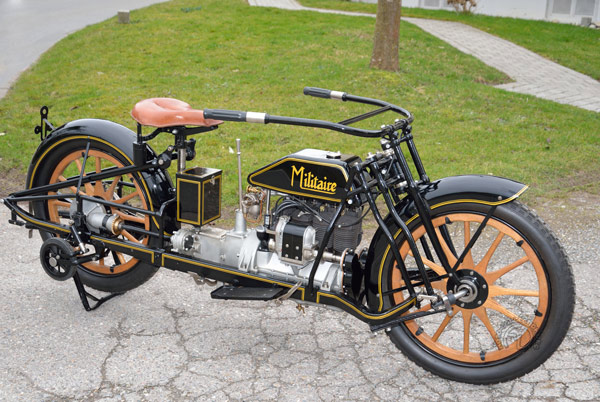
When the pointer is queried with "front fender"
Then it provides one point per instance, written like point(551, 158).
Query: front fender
point(481, 189)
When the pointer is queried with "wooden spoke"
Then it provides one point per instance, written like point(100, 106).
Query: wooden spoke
point(98, 187)
point(443, 325)
point(113, 186)
point(491, 277)
point(129, 236)
point(72, 188)
point(132, 218)
point(467, 315)
point(449, 255)
point(481, 313)
point(440, 285)
point(435, 267)
point(494, 305)
point(59, 203)
point(120, 258)
point(483, 264)
point(97, 265)
point(89, 189)
point(98, 164)
point(500, 291)
point(126, 198)
point(468, 260)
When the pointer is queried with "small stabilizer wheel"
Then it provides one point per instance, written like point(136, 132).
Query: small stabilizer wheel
point(56, 255)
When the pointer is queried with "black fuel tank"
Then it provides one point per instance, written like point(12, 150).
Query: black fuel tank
point(309, 173)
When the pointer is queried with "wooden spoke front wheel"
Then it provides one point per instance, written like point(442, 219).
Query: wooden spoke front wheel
point(520, 302)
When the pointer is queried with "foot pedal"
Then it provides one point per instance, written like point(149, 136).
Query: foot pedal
point(228, 292)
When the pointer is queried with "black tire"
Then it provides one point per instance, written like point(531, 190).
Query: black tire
point(527, 324)
point(60, 160)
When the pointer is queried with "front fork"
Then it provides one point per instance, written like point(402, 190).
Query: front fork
point(400, 167)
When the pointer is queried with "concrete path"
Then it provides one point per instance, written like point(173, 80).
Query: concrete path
point(533, 74)
point(29, 28)
point(168, 340)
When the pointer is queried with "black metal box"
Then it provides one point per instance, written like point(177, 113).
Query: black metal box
point(199, 195)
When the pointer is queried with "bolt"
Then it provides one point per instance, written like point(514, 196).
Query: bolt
point(471, 273)
point(462, 304)
point(479, 302)
point(484, 286)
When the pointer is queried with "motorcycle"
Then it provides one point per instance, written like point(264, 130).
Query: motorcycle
point(465, 280)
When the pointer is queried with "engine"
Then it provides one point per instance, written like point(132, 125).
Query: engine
point(287, 248)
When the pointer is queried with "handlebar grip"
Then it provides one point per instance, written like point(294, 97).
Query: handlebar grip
point(225, 115)
point(317, 92)
point(324, 93)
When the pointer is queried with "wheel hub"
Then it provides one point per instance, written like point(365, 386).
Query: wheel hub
point(475, 285)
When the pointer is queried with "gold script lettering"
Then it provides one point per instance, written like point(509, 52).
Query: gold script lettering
point(309, 181)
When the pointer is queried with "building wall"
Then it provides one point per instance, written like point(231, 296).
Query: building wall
point(527, 9)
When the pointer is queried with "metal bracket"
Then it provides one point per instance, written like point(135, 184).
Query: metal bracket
point(287, 295)
point(45, 125)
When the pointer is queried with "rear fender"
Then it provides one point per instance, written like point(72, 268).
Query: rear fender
point(157, 181)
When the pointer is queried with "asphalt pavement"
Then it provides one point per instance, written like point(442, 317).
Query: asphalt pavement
point(30, 27)
point(168, 340)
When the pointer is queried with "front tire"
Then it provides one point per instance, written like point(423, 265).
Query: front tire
point(523, 308)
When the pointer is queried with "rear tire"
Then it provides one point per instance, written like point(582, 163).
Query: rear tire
point(522, 313)
point(116, 272)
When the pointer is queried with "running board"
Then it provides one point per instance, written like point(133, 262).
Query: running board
point(228, 292)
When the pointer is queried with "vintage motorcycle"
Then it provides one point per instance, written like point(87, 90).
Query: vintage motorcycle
point(466, 281)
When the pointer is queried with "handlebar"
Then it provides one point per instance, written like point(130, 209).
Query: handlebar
point(264, 118)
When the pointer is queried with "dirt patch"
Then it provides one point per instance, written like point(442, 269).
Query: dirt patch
point(578, 209)
point(11, 181)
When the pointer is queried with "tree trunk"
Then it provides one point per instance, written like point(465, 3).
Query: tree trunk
point(387, 29)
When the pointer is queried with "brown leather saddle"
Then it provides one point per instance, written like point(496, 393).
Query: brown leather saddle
point(169, 112)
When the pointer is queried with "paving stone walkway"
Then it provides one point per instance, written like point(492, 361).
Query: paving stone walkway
point(532, 74)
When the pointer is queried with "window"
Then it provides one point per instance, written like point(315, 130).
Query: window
point(573, 7)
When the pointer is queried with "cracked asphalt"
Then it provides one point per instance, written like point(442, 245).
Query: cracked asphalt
point(168, 340)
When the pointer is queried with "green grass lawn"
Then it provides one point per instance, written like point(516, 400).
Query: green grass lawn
point(232, 56)
point(570, 45)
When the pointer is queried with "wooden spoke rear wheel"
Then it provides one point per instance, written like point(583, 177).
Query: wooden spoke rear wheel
point(521, 307)
point(123, 190)
point(115, 272)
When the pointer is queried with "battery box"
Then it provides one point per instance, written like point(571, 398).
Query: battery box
point(199, 195)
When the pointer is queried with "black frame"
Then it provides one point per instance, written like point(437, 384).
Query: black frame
point(387, 173)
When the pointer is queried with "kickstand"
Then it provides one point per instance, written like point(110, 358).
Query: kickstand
point(83, 295)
